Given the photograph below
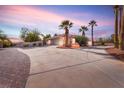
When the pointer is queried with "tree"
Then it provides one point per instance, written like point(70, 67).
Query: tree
point(92, 24)
point(112, 38)
point(47, 36)
point(24, 32)
point(7, 43)
point(30, 35)
point(121, 43)
point(2, 35)
point(116, 40)
point(4, 41)
point(66, 25)
point(83, 29)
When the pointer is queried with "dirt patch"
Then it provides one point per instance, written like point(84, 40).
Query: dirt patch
point(119, 54)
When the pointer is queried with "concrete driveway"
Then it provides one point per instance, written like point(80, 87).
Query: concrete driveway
point(14, 68)
point(85, 67)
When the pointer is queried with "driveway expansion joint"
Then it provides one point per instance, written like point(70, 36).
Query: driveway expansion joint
point(69, 66)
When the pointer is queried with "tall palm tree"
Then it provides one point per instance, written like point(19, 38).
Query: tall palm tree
point(92, 24)
point(83, 29)
point(116, 40)
point(66, 25)
point(122, 31)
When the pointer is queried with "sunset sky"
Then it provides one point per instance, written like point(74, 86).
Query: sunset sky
point(47, 18)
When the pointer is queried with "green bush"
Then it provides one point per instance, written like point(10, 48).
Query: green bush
point(81, 40)
point(1, 43)
point(7, 43)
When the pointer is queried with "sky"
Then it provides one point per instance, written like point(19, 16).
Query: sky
point(47, 18)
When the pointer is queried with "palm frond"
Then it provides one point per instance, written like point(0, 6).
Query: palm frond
point(80, 30)
point(92, 23)
point(65, 24)
point(83, 28)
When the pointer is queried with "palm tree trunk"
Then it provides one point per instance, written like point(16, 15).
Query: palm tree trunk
point(116, 28)
point(66, 37)
point(120, 13)
point(83, 33)
point(122, 32)
point(92, 36)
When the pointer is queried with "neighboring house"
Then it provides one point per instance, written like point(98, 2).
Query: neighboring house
point(20, 43)
point(16, 41)
point(60, 40)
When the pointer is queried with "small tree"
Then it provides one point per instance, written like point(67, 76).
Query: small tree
point(30, 35)
point(2, 35)
point(47, 36)
point(81, 40)
point(4, 41)
point(112, 38)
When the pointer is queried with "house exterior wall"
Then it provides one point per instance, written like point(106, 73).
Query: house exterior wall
point(61, 41)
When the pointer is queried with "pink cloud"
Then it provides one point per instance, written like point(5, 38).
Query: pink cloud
point(101, 20)
point(30, 15)
point(105, 23)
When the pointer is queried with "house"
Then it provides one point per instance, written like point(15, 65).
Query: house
point(60, 40)
point(15, 40)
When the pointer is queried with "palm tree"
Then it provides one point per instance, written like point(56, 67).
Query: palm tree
point(92, 24)
point(122, 31)
point(66, 25)
point(116, 40)
point(83, 29)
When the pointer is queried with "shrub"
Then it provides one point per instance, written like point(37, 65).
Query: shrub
point(7, 43)
point(81, 40)
point(1, 43)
